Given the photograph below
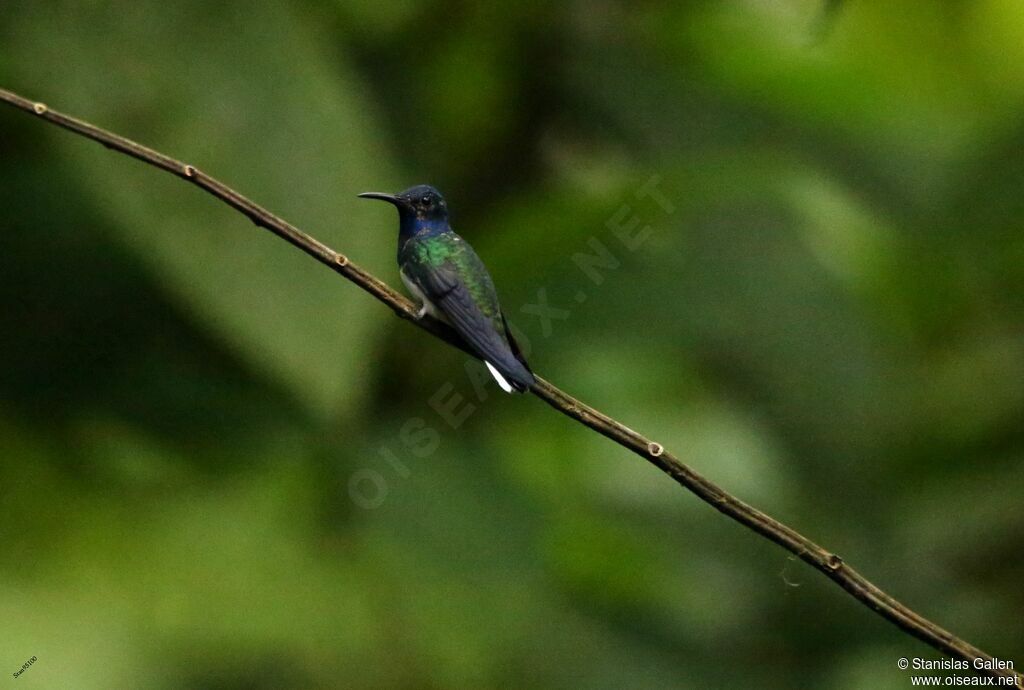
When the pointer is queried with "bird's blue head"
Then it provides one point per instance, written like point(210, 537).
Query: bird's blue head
point(421, 209)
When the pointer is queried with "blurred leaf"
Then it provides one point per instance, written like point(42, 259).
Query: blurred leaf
point(298, 140)
point(828, 322)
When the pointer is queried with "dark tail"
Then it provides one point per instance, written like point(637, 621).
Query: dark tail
point(517, 372)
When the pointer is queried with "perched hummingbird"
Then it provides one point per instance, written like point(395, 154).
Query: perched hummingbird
point(452, 283)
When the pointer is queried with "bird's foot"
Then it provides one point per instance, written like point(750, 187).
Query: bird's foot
point(421, 312)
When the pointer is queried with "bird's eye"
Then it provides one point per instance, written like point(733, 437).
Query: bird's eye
point(426, 200)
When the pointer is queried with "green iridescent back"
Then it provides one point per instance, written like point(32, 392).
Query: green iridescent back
point(435, 251)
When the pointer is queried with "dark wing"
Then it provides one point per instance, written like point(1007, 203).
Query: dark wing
point(460, 287)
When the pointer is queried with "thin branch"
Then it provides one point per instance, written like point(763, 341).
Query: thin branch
point(834, 567)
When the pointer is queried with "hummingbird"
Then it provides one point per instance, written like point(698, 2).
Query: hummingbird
point(452, 284)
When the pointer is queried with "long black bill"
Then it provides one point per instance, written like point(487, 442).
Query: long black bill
point(390, 198)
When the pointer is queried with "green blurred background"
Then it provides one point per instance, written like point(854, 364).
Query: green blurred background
point(220, 466)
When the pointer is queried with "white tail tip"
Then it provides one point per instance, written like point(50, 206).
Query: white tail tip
point(505, 386)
